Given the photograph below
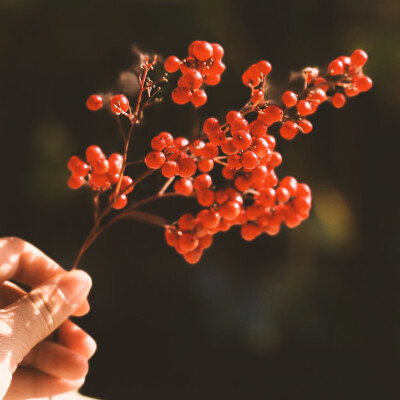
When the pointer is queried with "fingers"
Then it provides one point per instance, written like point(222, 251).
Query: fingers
point(32, 318)
point(10, 293)
point(56, 360)
point(28, 383)
point(76, 339)
point(25, 263)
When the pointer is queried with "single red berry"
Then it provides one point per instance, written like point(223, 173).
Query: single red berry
point(188, 241)
point(171, 236)
point(127, 185)
point(212, 79)
point(289, 98)
point(282, 194)
point(155, 159)
point(210, 218)
point(199, 98)
point(169, 139)
point(304, 108)
point(210, 125)
point(288, 130)
point(230, 210)
point(249, 160)
point(78, 167)
point(203, 50)
point(218, 51)
point(115, 163)
point(158, 143)
point(271, 114)
point(193, 257)
point(263, 67)
point(172, 64)
point(336, 67)
point(260, 147)
point(275, 160)
point(181, 95)
point(290, 184)
point(305, 125)
point(206, 197)
point(359, 58)
point(228, 173)
point(363, 83)
point(75, 182)
point(241, 140)
point(228, 146)
point(94, 102)
point(250, 231)
point(119, 104)
point(191, 79)
point(187, 167)
point(338, 100)
point(186, 222)
point(184, 187)
point(170, 169)
point(99, 180)
point(242, 183)
point(100, 166)
point(202, 181)
point(232, 115)
point(205, 165)
point(94, 153)
point(120, 202)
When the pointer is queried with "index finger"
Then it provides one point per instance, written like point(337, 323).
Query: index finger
point(23, 262)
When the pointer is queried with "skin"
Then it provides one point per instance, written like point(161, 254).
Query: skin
point(35, 363)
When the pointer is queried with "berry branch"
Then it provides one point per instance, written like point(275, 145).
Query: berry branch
point(241, 149)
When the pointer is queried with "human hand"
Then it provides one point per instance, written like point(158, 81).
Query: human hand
point(32, 365)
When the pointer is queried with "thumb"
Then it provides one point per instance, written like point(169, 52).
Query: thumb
point(33, 317)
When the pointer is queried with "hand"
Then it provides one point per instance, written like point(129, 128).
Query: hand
point(31, 364)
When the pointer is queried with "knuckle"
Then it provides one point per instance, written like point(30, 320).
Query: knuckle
point(44, 310)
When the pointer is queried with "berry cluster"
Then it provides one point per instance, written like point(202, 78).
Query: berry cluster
point(241, 148)
point(202, 66)
point(101, 174)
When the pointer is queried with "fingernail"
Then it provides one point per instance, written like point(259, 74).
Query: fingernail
point(75, 285)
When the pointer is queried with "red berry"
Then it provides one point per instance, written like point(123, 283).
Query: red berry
point(282, 194)
point(305, 125)
point(184, 187)
point(363, 83)
point(170, 169)
point(119, 104)
point(191, 79)
point(258, 128)
point(250, 231)
point(121, 201)
point(218, 51)
point(209, 218)
point(228, 147)
point(232, 115)
point(359, 58)
point(230, 210)
point(75, 182)
point(172, 64)
point(199, 98)
point(94, 102)
point(289, 130)
point(212, 79)
point(249, 160)
point(336, 67)
point(241, 140)
point(181, 95)
point(289, 98)
point(263, 67)
point(78, 167)
point(188, 241)
point(114, 164)
point(186, 222)
point(187, 167)
point(169, 139)
point(206, 197)
point(304, 108)
point(94, 153)
point(290, 184)
point(193, 257)
point(210, 125)
point(99, 180)
point(100, 166)
point(271, 114)
point(202, 181)
point(203, 50)
point(126, 185)
point(158, 143)
point(155, 159)
point(205, 165)
point(338, 100)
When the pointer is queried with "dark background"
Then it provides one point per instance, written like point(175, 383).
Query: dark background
point(310, 314)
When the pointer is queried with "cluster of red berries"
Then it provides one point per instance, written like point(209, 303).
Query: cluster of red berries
point(289, 203)
point(202, 66)
point(242, 146)
point(100, 174)
point(119, 104)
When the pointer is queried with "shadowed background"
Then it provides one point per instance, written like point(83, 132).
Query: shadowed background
point(311, 313)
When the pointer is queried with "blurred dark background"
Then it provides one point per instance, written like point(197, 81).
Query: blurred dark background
point(310, 314)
